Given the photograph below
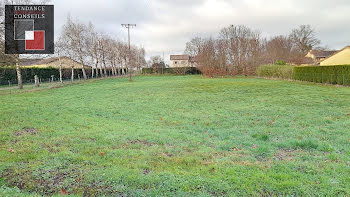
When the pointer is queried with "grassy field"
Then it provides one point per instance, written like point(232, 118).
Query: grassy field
point(177, 136)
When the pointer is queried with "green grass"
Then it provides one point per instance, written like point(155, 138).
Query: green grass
point(176, 136)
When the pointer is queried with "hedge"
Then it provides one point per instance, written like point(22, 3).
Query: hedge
point(275, 71)
point(10, 74)
point(323, 74)
point(188, 71)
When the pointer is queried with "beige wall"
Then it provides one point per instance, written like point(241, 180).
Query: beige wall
point(340, 58)
point(179, 63)
point(316, 59)
point(310, 55)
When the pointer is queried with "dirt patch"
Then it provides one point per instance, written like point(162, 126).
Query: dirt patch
point(286, 154)
point(142, 142)
point(168, 154)
point(56, 179)
point(26, 131)
point(146, 171)
point(52, 148)
point(44, 181)
point(135, 144)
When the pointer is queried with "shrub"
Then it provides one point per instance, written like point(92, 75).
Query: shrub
point(323, 74)
point(275, 71)
point(147, 70)
point(180, 70)
point(281, 62)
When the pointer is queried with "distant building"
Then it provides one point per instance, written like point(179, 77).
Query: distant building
point(319, 55)
point(182, 61)
point(302, 61)
point(51, 62)
point(342, 57)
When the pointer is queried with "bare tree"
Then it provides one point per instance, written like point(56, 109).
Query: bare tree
point(242, 44)
point(103, 50)
point(112, 53)
point(59, 47)
point(193, 47)
point(304, 38)
point(141, 59)
point(278, 48)
point(75, 35)
point(155, 60)
point(93, 50)
point(237, 50)
point(124, 54)
point(208, 59)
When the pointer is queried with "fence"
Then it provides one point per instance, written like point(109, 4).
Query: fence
point(8, 76)
point(11, 83)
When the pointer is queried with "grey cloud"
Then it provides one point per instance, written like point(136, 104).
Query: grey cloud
point(166, 25)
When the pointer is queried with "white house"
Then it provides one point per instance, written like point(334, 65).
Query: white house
point(181, 61)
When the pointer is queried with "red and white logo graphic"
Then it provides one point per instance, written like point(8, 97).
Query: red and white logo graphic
point(34, 39)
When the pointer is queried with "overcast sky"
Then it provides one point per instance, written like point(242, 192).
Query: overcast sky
point(166, 25)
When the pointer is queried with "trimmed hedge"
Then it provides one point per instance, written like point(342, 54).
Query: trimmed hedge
point(323, 74)
point(275, 71)
point(189, 71)
point(319, 74)
point(10, 74)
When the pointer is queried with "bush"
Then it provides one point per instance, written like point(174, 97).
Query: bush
point(323, 74)
point(147, 70)
point(275, 71)
point(281, 62)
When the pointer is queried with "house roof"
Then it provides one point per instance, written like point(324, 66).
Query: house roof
point(53, 59)
point(302, 60)
point(337, 52)
point(321, 53)
point(179, 57)
point(29, 62)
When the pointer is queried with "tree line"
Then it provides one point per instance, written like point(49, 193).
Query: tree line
point(240, 49)
point(84, 44)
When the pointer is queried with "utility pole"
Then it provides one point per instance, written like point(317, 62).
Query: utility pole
point(128, 26)
point(163, 64)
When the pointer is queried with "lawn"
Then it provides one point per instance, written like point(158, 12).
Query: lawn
point(176, 136)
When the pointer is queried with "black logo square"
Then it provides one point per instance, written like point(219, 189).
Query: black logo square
point(29, 29)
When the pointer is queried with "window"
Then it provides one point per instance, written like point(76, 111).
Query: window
point(175, 62)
